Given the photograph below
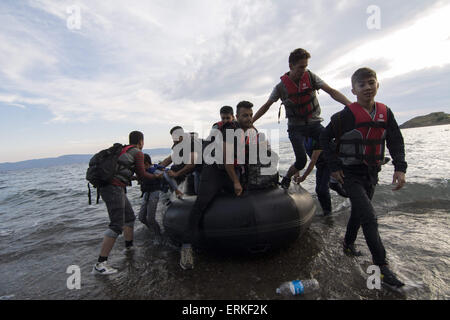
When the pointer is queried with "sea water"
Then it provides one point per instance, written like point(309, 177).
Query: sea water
point(46, 225)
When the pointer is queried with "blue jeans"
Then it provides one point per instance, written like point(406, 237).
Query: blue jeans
point(147, 213)
point(297, 136)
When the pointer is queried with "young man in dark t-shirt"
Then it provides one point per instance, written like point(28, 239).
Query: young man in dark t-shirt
point(297, 91)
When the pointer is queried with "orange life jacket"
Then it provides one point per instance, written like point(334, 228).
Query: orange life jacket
point(365, 143)
point(302, 101)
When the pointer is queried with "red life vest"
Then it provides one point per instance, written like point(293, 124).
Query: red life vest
point(219, 125)
point(368, 137)
point(302, 101)
point(246, 141)
point(125, 168)
point(125, 149)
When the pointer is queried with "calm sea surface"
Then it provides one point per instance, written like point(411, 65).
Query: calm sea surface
point(47, 225)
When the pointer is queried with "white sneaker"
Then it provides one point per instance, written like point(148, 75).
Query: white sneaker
point(103, 268)
point(186, 257)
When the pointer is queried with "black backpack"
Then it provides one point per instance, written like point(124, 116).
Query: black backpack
point(102, 167)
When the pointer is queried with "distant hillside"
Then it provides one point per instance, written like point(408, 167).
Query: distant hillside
point(65, 160)
point(433, 119)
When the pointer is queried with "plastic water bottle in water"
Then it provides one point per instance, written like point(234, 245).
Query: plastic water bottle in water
point(297, 287)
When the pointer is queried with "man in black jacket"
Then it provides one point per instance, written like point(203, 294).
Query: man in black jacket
point(360, 133)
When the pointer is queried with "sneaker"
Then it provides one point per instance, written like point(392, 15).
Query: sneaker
point(389, 278)
point(285, 182)
point(103, 268)
point(350, 250)
point(186, 257)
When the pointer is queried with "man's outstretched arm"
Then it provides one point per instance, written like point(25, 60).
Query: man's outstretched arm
point(336, 95)
point(261, 111)
point(166, 161)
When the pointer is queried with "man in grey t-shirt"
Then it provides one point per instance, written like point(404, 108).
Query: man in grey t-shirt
point(297, 91)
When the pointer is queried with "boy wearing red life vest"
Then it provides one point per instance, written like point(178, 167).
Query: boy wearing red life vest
point(226, 115)
point(297, 91)
point(360, 133)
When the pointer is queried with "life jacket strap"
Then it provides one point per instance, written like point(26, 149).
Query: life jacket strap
point(372, 124)
point(365, 142)
point(307, 92)
point(362, 157)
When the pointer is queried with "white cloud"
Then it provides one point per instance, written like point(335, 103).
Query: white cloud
point(418, 45)
point(158, 63)
point(146, 67)
point(18, 101)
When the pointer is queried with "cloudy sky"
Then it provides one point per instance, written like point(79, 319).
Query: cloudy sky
point(77, 76)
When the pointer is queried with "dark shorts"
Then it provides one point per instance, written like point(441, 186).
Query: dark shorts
point(119, 209)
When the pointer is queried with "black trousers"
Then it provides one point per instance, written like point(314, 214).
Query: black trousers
point(212, 181)
point(360, 189)
point(323, 187)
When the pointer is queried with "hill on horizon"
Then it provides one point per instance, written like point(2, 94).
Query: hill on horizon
point(65, 160)
point(432, 119)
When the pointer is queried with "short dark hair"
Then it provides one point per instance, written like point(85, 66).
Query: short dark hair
point(363, 73)
point(147, 158)
point(175, 128)
point(297, 55)
point(135, 137)
point(226, 110)
point(243, 105)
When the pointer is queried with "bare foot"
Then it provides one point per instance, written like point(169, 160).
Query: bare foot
point(179, 194)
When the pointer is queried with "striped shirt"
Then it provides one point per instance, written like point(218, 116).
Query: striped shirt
point(139, 169)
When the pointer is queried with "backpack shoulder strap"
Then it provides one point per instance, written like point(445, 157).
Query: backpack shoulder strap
point(89, 194)
point(337, 128)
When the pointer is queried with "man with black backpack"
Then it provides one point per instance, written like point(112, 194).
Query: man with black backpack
point(126, 163)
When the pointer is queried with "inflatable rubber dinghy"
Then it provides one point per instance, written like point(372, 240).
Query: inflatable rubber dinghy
point(256, 222)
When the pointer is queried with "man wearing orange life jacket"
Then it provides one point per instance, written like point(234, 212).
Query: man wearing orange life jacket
point(360, 133)
point(297, 91)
